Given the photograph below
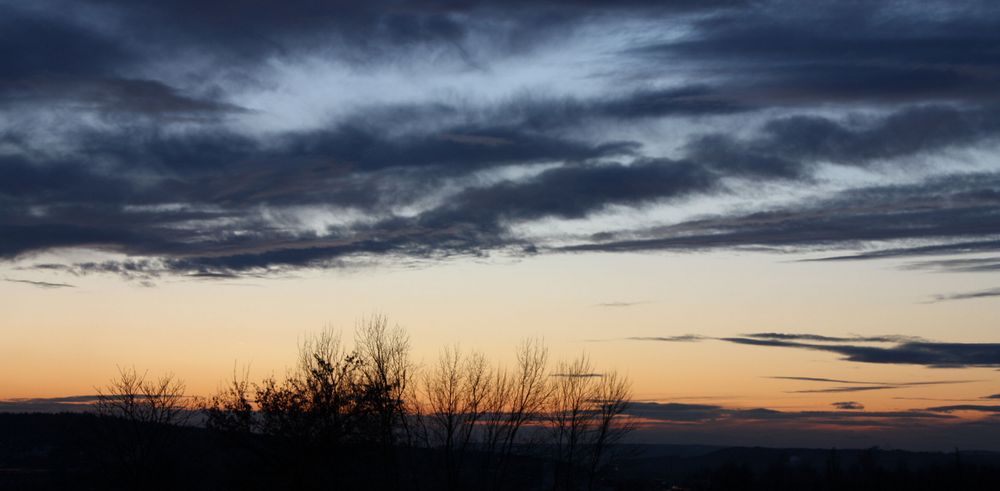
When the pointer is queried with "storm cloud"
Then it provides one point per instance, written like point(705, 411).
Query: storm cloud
point(320, 135)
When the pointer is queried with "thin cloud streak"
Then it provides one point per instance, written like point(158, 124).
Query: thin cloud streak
point(40, 284)
point(903, 350)
point(620, 304)
point(990, 293)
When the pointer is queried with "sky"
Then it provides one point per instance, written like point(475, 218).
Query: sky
point(783, 223)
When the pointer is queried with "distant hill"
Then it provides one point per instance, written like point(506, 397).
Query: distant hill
point(62, 451)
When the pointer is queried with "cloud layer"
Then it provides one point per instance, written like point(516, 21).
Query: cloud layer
point(315, 135)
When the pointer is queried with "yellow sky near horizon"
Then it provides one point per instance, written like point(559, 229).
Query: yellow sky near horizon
point(66, 341)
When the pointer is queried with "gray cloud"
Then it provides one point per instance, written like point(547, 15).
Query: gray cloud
point(893, 338)
point(965, 407)
point(931, 354)
point(903, 350)
point(148, 158)
point(683, 338)
point(992, 292)
point(844, 52)
point(41, 284)
point(680, 413)
point(848, 406)
point(945, 209)
point(80, 403)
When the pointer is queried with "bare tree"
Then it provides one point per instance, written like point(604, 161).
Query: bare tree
point(571, 416)
point(586, 420)
point(614, 394)
point(516, 400)
point(141, 416)
point(130, 396)
point(387, 374)
point(456, 392)
point(363, 407)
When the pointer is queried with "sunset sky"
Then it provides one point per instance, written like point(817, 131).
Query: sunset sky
point(781, 220)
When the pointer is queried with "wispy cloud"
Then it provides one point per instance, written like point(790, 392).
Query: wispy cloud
point(989, 293)
point(836, 390)
point(866, 388)
point(40, 284)
point(827, 380)
point(683, 338)
point(887, 349)
point(620, 304)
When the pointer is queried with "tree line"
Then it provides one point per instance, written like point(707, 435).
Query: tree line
point(366, 414)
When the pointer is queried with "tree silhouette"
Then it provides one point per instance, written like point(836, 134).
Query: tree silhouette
point(140, 418)
point(585, 417)
point(460, 425)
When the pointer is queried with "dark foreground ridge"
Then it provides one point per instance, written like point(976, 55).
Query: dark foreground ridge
point(60, 451)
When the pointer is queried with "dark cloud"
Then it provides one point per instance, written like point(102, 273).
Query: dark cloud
point(832, 339)
point(53, 61)
point(80, 403)
point(994, 396)
point(959, 247)
point(990, 293)
point(548, 114)
point(109, 95)
point(676, 412)
point(967, 265)
point(684, 338)
point(34, 45)
point(857, 51)
point(236, 34)
point(931, 354)
point(848, 406)
point(903, 350)
point(946, 209)
point(679, 413)
point(142, 159)
point(787, 147)
point(573, 192)
point(965, 407)
point(41, 284)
